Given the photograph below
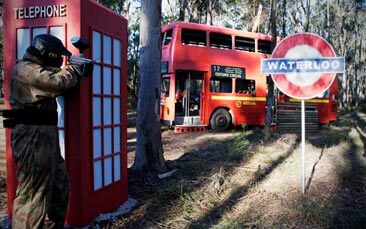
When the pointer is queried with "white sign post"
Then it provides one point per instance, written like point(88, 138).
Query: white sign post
point(303, 145)
point(303, 66)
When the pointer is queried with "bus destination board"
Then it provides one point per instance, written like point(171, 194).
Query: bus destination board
point(227, 71)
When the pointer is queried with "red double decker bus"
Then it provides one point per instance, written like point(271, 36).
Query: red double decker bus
point(211, 76)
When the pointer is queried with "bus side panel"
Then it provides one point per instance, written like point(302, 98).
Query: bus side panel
point(250, 113)
point(327, 112)
point(327, 107)
point(245, 112)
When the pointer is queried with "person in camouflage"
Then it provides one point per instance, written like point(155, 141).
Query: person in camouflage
point(36, 81)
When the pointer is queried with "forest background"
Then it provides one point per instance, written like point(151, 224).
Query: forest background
point(341, 22)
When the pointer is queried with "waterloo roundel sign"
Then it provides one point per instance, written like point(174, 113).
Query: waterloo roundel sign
point(303, 65)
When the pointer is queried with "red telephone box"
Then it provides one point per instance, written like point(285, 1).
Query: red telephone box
point(92, 117)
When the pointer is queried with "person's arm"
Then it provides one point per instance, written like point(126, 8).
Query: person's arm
point(50, 82)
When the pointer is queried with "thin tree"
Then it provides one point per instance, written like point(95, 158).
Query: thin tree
point(209, 12)
point(149, 150)
point(255, 27)
point(182, 9)
point(284, 3)
point(195, 6)
point(270, 93)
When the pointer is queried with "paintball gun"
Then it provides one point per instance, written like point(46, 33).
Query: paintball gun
point(80, 44)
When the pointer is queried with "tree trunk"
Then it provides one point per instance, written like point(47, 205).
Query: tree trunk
point(270, 85)
point(257, 21)
point(328, 27)
point(209, 12)
point(149, 150)
point(194, 17)
point(307, 16)
point(284, 2)
point(182, 10)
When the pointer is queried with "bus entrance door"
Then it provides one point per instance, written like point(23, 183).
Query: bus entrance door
point(188, 98)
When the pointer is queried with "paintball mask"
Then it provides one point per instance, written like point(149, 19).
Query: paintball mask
point(50, 49)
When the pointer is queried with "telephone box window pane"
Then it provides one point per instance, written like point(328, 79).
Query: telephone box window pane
point(107, 141)
point(23, 42)
point(59, 32)
point(116, 82)
point(97, 83)
point(116, 52)
point(97, 107)
point(61, 137)
point(107, 83)
point(97, 143)
point(107, 111)
point(107, 49)
point(117, 168)
point(107, 171)
point(97, 41)
point(116, 111)
point(60, 111)
point(38, 31)
point(97, 175)
point(117, 140)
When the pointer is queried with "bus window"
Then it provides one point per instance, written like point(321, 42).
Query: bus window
point(245, 44)
point(222, 85)
point(243, 86)
point(167, 37)
point(193, 37)
point(219, 40)
point(264, 46)
point(165, 85)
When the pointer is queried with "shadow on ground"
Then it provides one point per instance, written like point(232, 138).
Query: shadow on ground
point(194, 171)
point(350, 200)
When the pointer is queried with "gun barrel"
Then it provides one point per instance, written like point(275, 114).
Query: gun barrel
point(80, 60)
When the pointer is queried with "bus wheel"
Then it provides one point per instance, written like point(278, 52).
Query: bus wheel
point(220, 120)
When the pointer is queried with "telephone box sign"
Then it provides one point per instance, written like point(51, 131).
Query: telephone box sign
point(33, 12)
point(303, 65)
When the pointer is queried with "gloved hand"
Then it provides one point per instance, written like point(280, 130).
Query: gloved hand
point(88, 69)
point(83, 69)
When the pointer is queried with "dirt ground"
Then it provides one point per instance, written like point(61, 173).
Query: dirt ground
point(238, 180)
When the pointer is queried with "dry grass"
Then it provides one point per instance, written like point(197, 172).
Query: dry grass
point(236, 180)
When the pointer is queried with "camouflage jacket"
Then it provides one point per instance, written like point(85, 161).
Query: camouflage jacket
point(34, 85)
